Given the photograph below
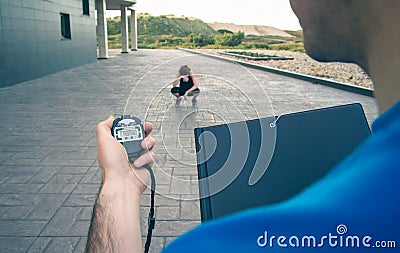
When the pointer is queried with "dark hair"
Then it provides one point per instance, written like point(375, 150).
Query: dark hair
point(184, 70)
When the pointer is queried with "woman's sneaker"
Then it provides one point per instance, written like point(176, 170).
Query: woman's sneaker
point(178, 101)
point(194, 103)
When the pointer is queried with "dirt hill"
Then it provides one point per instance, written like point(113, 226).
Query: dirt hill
point(260, 30)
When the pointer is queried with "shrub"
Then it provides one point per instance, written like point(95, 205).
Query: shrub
point(203, 40)
point(230, 40)
point(295, 47)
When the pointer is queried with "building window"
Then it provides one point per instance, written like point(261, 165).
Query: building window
point(85, 6)
point(65, 26)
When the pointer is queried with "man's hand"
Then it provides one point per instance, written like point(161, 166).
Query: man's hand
point(115, 224)
point(114, 161)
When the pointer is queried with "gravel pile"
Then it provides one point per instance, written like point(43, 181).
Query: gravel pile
point(302, 63)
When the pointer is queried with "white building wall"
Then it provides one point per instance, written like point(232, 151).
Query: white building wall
point(31, 44)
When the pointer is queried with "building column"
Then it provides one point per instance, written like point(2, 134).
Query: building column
point(134, 30)
point(124, 30)
point(102, 37)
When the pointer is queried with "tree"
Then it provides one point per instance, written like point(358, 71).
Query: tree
point(223, 31)
point(114, 25)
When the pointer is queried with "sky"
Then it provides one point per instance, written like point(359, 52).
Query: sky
point(275, 13)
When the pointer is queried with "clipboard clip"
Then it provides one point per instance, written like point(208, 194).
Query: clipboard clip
point(273, 124)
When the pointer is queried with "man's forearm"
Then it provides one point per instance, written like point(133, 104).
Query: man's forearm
point(115, 225)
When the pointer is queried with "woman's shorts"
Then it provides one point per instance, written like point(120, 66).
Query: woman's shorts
point(181, 91)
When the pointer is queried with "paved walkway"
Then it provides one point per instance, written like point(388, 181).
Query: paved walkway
point(49, 176)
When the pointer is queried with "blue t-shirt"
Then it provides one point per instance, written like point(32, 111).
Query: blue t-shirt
point(355, 208)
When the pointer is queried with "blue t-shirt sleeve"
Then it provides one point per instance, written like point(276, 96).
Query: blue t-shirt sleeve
point(272, 229)
point(307, 223)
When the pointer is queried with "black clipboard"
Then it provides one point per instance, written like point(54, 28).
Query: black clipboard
point(265, 161)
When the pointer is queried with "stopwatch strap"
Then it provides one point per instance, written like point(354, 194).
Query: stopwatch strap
point(151, 219)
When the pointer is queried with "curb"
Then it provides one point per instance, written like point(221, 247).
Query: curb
point(312, 79)
point(266, 58)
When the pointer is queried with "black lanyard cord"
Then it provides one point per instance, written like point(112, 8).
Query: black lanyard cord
point(151, 219)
